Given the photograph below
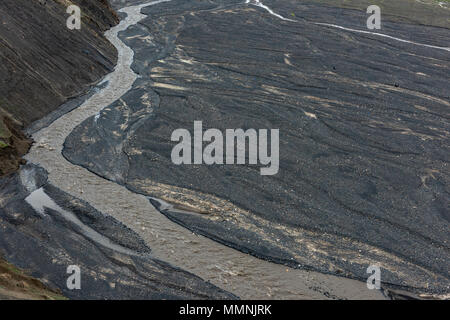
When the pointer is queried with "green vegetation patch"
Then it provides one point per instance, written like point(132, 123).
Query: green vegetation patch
point(3, 145)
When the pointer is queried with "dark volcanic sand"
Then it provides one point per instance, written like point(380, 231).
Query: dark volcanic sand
point(363, 122)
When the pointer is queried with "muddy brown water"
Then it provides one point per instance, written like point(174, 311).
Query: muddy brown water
point(244, 275)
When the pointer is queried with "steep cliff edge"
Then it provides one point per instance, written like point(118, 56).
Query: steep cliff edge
point(43, 63)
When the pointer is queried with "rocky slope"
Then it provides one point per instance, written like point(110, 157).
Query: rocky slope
point(43, 63)
point(13, 145)
point(14, 284)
